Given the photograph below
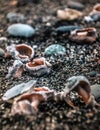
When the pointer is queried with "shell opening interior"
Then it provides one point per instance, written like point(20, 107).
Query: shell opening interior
point(35, 63)
point(24, 50)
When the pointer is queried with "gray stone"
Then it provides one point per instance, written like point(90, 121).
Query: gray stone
point(22, 30)
point(15, 17)
point(55, 49)
point(92, 73)
point(75, 5)
point(96, 90)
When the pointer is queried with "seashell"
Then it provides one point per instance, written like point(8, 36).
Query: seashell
point(21, 52)
point(18, 89)
point(67, 28)
point(81, 85)
point(38, 67)
point(95, 14)
point(68, 14)
point(96, 8)
point(86, 35)
point(30, 101)
point(16, 70)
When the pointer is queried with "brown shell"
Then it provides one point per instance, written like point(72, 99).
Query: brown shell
point(38, 67)
point(86, 35)
point(21, 52)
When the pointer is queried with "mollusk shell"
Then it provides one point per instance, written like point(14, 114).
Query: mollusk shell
point(86, 35)
point(38, 67)
point(68, 14)
point(16, 70)
point(21, 52)
point(75, 81)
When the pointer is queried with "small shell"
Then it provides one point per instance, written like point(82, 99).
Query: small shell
point(86, 35)
point(96, 8)
point(28, 102)
point(16, 70)
point(38, 67)
point(21, 52)
point(18, 89)
point(68, 14)
point(75, 81)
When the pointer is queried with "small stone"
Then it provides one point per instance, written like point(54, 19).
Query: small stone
point(55, 49)
point(92, 73)
point(75, 5)
point(2, 53)
point(67, 28)
point(22, 30)
point(95, 89)
point(15, 17)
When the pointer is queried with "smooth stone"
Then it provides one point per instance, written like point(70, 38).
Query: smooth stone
point(18, 89)
point(95, 89)
point(92, 73)
point(22, 30)
point(67, 28)
point(15, 17)
point(2, 53)
point(55, 49)
point(75, 5)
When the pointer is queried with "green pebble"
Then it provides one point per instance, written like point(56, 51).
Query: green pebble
point(2, 53)
point(55, 49)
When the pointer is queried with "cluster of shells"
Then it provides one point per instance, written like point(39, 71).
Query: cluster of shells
point(28, 102)
point(23, 55)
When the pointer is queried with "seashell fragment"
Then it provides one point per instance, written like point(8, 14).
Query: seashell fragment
point(21, 52)
point(86, 35)
point(38, 67)
point(28, 102)
point(16, 70)
point(68, 14)
point(18, 89)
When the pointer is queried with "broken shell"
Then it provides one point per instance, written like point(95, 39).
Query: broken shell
point(68, 14)
point(21, 52)
point(81, 85)
point(16, 70)
point(86, 35)
point(38, 67)
point(17, 90)
point(34, 99)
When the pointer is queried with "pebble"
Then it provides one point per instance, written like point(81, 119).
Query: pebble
point(55, 49)
point(22, 30)
point(92, 73)
point(15, 17)
point(96, 90)
point(2, 53)
point(67, 28)
point(75, 5)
